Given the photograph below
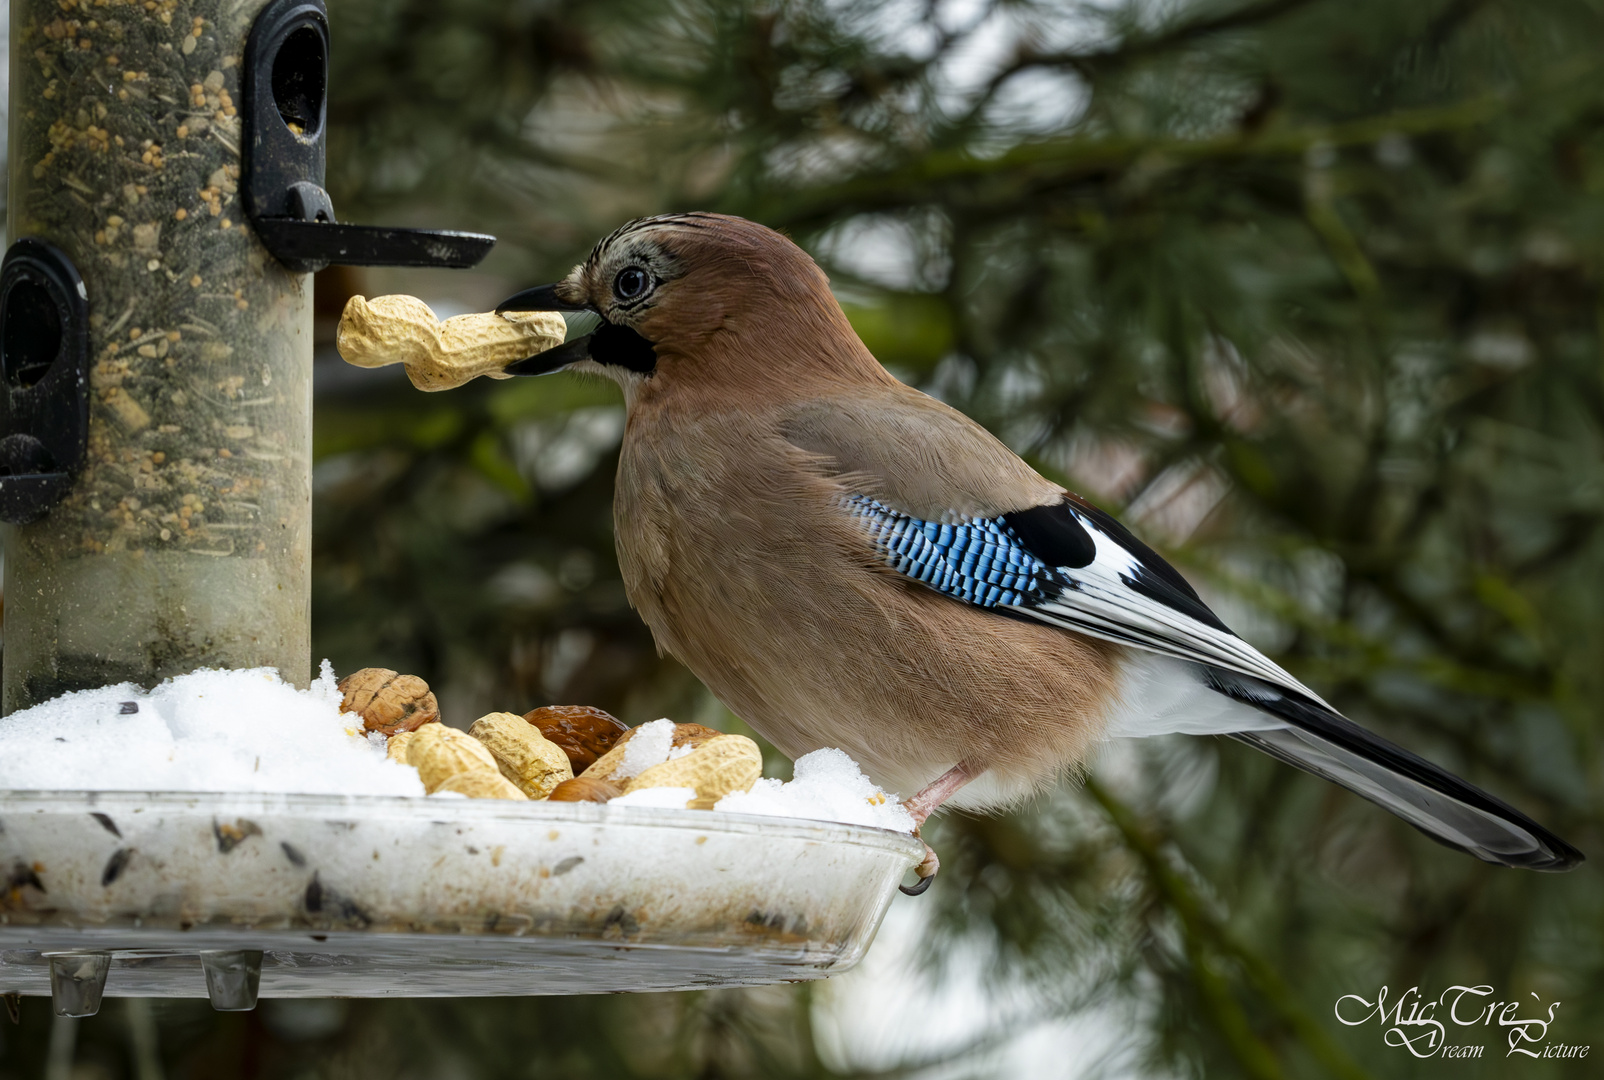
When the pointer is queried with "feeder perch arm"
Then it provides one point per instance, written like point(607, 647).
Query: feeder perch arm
point(284, 154)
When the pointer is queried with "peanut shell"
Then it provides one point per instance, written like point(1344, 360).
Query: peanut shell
point(526, 758)
point(715, 768)
point(396, 748)
point(388, 702)
point(439, 752)
point(583, 732)
point(684, 735)
point(483, 784)
point(585, 789)
point(441, 355)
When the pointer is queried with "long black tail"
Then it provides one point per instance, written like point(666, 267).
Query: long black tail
point(1435, 801)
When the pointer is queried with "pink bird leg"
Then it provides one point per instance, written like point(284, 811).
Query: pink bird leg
point(927, 802)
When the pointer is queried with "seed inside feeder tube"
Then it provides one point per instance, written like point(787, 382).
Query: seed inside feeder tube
point(144, 265)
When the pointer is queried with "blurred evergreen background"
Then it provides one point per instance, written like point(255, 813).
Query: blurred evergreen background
point(1308, 291)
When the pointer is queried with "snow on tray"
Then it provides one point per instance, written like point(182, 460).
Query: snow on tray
point(663, 798)
point(651, 744)
point(242, 730)
point(249, 730)
point(826, 785)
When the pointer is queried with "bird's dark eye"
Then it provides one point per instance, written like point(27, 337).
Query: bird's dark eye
point(630, 283)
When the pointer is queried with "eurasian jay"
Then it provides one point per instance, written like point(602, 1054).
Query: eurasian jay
point(845, 561)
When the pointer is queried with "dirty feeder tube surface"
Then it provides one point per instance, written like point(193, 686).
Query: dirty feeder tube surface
point(185, 541)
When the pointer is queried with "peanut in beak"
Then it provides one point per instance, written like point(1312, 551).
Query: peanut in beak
point(442, 355)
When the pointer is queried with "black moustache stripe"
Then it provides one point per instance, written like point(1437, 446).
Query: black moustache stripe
point(619, 346)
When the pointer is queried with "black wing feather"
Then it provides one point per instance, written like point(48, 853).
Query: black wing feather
point(1054, 535)
point(1317, 738)
point(1433, 800)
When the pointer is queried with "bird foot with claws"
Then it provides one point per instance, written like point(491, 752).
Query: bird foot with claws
point(926, 871)
point(925, 803)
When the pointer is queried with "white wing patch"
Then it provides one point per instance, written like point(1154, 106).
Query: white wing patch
point(1101, 600)
point(1160, 695)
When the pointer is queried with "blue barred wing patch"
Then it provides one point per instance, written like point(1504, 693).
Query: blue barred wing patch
point(980, 561)
point(1118, 595)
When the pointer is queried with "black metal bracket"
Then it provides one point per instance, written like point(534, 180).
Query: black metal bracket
point(44, 369)
point(285, 98)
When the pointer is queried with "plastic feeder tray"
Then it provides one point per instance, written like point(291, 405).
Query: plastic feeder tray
point(137, 894)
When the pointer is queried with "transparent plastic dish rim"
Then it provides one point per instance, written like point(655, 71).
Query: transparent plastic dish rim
point(458, 811)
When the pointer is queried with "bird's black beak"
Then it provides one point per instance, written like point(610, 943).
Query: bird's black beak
point(545, 298)
point(541, 298)
point(610, 344)
point(552, 359)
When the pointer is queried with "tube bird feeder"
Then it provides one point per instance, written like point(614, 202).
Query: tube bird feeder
point(167, 205)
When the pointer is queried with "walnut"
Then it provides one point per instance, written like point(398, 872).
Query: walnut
point(441, 355)
point(388, 702)
point(524, 757)
point(584, 733)
point(585, 789)
point(694, 735)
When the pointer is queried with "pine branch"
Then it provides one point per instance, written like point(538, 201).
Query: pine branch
point(958, 177)
point(1248, 16)
point(1203, 929)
